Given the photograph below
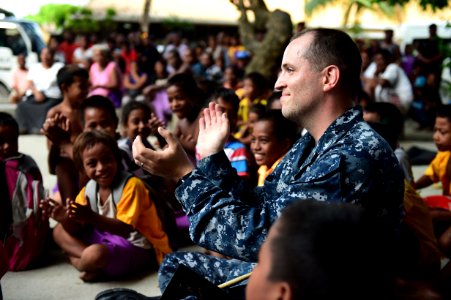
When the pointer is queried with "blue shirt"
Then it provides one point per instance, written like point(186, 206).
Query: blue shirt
point(350, 163)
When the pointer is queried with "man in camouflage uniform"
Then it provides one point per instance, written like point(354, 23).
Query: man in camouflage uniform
point(340, 159)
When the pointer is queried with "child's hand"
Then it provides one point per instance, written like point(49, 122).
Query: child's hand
point(79, 212)
point(57, 129)
point(154, 123)
point(171, 162)
point(52, 209)
point(213, 131)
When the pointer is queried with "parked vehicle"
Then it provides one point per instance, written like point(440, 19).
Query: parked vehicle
point(17, 37)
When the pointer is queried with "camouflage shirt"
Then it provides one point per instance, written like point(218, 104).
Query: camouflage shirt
point(350, 163)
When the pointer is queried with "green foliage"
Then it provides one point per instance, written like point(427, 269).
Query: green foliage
point(175, 24)
point(383, 6)
point(78, 19)
point(54, 14)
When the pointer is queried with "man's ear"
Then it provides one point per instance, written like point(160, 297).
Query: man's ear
point(331, 76)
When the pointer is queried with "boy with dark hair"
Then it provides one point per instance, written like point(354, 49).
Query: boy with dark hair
point(439, 169)
point(62, 125)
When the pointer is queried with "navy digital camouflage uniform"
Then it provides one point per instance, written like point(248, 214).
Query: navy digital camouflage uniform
point(350, 163)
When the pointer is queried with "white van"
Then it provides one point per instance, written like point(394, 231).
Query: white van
point(17, 37)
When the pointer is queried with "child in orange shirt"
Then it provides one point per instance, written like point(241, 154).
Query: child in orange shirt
point(112, 228)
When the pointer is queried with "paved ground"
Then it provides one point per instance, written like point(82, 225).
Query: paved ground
point(58, 280)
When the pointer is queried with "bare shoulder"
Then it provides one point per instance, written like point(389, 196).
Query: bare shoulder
point(57, 109)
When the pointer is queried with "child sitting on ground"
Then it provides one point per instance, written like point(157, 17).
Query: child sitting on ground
point(22, 230)
point(185, 101)
point(272, 137)
point(439, 169)
point(112, 229)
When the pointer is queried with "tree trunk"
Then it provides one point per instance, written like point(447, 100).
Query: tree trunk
point(266, 59)
point(277, 28)
point(145, 17)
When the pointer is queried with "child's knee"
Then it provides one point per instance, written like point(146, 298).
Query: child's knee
point(94, 257)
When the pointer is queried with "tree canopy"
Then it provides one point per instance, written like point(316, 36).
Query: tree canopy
point(57, 17)
point(384, 6)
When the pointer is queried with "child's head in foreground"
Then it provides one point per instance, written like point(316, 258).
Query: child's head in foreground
point(98, 113)
point(442, 128)
point(98, 155)
point(9, 136)
point(272, 137)
point(297, 261)
point(135, 120)
point(73, 82)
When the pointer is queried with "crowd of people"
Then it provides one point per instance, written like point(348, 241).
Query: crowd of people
point(203, 147)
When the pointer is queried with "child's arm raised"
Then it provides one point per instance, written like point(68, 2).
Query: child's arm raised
point(84, 214)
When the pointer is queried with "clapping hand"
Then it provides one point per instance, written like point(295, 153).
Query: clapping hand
point(214, 131)
point(57, 129)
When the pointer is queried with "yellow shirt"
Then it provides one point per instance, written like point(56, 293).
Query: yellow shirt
point(245, 104)
point(436, 170)
point(263, 171)
point(137, 209)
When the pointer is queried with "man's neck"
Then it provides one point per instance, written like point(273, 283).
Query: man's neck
point(324, 118)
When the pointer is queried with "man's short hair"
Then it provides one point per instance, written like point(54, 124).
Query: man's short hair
point(335, 47)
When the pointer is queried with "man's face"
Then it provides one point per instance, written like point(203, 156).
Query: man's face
point(300, 84)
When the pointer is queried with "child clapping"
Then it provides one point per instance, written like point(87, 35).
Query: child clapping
point(112, 228)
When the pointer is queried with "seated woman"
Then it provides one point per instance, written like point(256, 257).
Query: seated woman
point(43, 93)
point(105, 76)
